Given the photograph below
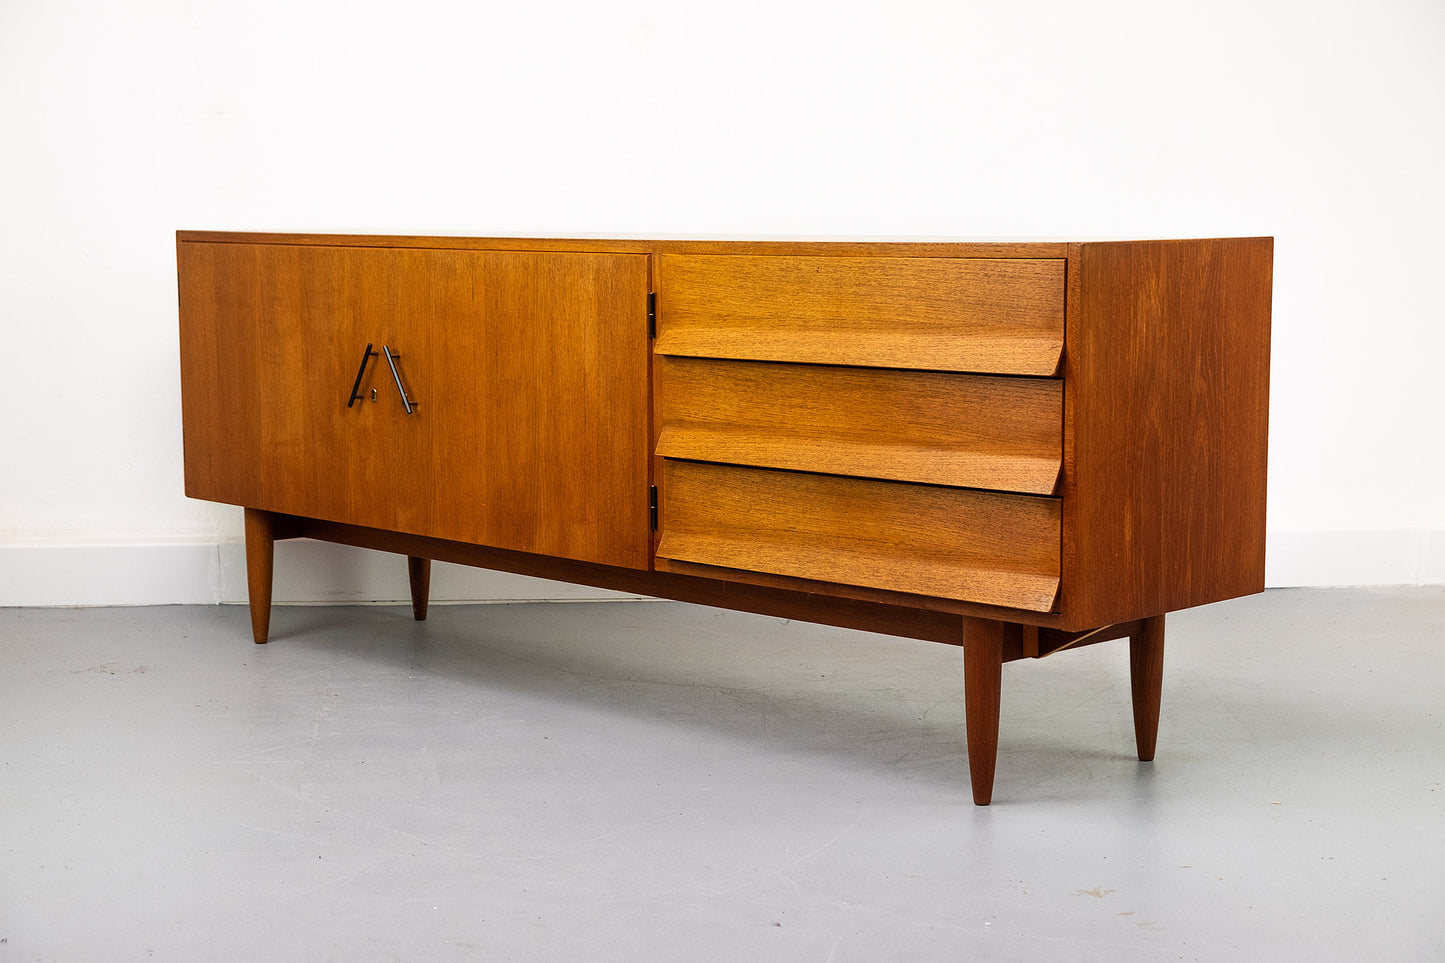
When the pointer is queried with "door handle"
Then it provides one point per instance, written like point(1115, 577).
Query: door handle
point(356, 387)
point(406, 402)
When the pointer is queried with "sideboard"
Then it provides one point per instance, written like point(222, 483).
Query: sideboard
point(1016, 447)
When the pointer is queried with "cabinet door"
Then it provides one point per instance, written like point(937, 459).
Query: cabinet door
point(525, 371)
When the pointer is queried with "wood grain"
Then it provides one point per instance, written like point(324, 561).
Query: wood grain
point(1166, 380)
point(945, 429)
point(948, 314)
point(954, 543)
point(529, 371)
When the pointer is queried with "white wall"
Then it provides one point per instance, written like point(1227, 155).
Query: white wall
point(1322, 123)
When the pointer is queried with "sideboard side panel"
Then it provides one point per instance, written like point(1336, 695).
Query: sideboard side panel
point(230, 404)
point(1167, 386)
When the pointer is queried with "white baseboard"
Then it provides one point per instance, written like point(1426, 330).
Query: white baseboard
point(1386, 557)
point(192, 573)
point(204, 573)
point(155, 573)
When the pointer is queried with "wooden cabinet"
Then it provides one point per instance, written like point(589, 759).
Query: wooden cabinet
point(1015, 447)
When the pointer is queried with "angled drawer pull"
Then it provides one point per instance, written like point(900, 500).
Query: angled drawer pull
point(986, 547)
point(995, 315)
point(939, 428)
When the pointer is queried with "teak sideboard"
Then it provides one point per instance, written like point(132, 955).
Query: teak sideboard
point(1013, 447)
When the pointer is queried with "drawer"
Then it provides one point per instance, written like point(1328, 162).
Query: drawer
point(997, 315)
point(986, 547)
point(969, 431)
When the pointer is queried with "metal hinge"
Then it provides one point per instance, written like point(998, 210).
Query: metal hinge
point(652, 507)
point(652, 317)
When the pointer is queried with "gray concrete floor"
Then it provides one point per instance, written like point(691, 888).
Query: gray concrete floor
point(640, 781)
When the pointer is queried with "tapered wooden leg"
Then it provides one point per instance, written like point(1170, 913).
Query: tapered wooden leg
point(982, 680)
point(260, 560)
point(1146, 683)
point(418, 572)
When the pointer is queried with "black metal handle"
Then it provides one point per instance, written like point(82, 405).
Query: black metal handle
point(391, 361)
point(359, 372)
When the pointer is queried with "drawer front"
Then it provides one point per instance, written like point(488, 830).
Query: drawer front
point(944, 429)
point(994, 315)
point(986, 547)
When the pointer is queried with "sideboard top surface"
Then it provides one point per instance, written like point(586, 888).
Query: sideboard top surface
point(882, 247)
